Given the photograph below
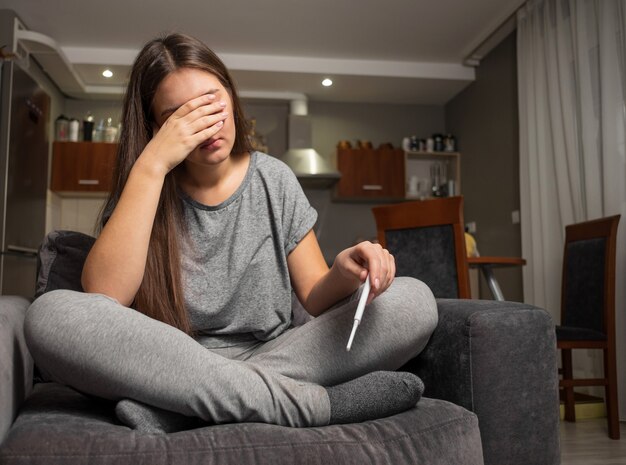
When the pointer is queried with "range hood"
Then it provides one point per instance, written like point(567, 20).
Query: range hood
point(311, 169)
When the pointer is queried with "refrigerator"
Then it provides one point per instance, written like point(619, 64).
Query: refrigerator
point(24, 149)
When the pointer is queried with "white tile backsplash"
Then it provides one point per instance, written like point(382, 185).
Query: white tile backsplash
point(87, 215)
point(53, 212)
point(69, 213)
point(74, 214)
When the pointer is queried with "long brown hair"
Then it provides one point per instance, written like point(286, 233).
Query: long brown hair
point(160, 294)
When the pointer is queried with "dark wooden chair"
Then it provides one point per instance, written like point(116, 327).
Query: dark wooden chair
point(588, 309)
point(427, 239)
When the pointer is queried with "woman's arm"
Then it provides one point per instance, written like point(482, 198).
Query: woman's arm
point(116, 263)
point(319, 287)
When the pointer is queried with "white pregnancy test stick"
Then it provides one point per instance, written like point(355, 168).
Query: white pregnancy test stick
point(359, 310)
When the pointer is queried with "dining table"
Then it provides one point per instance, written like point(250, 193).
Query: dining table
point(487, 264)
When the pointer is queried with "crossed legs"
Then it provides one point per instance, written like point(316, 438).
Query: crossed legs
point(97, 346)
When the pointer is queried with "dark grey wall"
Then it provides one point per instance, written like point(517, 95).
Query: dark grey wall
point(271, 122)
point(99, 109)
point(484, 118)
point(378, 123)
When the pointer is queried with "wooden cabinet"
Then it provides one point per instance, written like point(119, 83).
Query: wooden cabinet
point(393, 174)
point(81, 167)
point(371, 173)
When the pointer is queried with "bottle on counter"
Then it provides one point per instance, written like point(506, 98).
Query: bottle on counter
point(61, 128)
point(110, 131)
point(98, 133)
point(449, 143)
point(438, 142)
point(88, 127)
point(74, 127)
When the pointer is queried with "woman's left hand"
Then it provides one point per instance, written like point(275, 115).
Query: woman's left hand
point(367, 258)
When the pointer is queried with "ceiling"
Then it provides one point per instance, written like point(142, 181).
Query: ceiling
point(397, 51)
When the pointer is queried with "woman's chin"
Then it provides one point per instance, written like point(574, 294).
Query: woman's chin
point(208, 157)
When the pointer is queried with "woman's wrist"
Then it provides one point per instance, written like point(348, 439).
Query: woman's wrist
point(148, 165)
point(340, 273)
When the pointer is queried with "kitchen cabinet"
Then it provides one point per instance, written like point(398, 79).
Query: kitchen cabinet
point(82, 167)
point(371, 174)
point(393, 174)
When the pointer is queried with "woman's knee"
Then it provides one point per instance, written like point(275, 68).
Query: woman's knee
point(412, 305)
point(49, 315)
point(42, 311)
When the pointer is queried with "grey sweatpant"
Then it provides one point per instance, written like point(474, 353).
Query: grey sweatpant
point(99, 347)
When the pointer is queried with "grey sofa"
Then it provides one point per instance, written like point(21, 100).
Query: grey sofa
point(491, 397)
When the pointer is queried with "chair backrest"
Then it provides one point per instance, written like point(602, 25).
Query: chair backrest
point(588, 282)
point(427, 240)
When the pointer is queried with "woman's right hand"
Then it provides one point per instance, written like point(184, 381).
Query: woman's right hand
point(185, 129)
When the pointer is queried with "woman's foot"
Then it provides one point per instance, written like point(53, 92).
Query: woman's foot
point(375, 395)
point(147, 419)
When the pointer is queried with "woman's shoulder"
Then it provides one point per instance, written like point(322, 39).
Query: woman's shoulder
point(274, 175)
point(270, 165)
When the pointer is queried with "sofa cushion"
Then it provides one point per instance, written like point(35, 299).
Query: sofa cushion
point(60, 261)
point(16, 364)
point(60, 426)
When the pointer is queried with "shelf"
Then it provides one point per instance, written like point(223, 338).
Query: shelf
point(419, 166)
point(432, 154)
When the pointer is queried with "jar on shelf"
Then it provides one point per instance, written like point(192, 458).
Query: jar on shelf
point(61, 128)
point(438, 142)
point(449, 143)
point(88, 127)
point(110, 132)
point(98, 133)
point(74, 129)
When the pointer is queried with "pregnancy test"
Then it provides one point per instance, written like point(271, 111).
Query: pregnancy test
point(359, 310)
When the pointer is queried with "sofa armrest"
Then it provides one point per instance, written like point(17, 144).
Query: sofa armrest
point(498, 359)
point(16, 364)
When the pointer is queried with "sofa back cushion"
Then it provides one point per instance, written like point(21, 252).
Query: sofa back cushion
point(60, 261)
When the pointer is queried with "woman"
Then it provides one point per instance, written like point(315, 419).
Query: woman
point(205, 240)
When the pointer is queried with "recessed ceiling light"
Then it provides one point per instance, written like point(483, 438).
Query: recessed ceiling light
point(327, 82)
point(107, 73)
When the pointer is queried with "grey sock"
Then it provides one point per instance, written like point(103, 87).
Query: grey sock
point(148, 419)
point(375, 395)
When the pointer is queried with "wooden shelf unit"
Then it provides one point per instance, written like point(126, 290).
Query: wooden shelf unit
point(384, 174)
point(419, 164)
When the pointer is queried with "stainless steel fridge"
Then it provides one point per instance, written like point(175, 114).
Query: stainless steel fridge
point(24, 149)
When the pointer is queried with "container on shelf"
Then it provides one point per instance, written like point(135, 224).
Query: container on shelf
point(61, 128)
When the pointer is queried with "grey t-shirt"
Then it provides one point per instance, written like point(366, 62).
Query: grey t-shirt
point(234, 263)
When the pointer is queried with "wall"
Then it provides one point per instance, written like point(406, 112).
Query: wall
point(484, 118)
point(99, 109)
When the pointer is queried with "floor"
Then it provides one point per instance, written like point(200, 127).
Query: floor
point(586, 443)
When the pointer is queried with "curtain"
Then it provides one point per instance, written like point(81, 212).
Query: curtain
point(572, 87)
